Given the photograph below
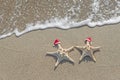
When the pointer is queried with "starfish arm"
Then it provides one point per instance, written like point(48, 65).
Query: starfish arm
point(82, 56)
point(52, 53)
point(70, 59)
point(95, 48)
point(79, 47)
point(58, 62)
point(59, 46)
point(93, 57)
point(70, 49)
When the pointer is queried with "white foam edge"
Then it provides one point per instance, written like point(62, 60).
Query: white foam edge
point(62, 24)
point(58, 23)
point(101, 23)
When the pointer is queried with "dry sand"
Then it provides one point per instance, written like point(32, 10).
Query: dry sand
point(24, 57)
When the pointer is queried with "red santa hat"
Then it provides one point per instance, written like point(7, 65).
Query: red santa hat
point(89, 39)
point(57, 41)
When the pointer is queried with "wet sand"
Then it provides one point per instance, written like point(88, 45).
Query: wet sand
point(19, 13)
point(24, 57)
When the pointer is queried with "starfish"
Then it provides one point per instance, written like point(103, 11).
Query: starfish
point(87, 50)
point(61, 54)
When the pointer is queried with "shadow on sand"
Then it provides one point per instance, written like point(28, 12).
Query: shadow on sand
point(63, 61)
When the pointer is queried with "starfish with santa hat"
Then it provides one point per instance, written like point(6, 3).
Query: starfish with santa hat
point(87, 50)
point(61, 54)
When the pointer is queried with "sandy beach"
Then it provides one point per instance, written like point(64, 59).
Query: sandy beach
point(24, 57)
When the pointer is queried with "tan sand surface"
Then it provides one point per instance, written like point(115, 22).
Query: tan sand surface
point(24, 57)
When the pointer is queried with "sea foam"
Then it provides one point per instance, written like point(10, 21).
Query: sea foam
point(62, 24)
point(95, 17)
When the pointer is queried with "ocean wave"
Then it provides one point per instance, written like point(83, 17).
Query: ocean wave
point(62, 24)
point(81, 13)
